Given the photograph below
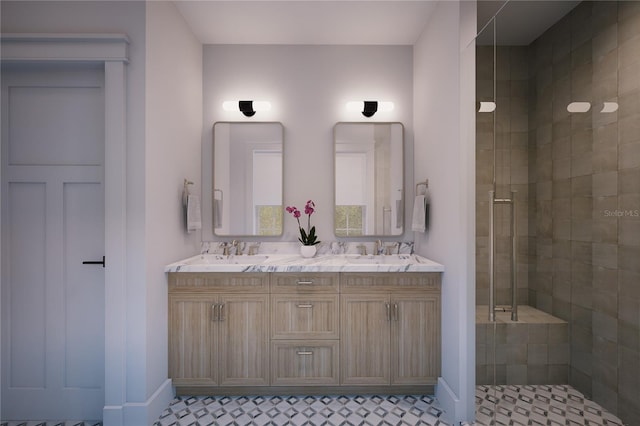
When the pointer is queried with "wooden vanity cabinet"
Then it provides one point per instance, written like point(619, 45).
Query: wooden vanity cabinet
point(390, 332)
point(273, 333)
point(218, 329)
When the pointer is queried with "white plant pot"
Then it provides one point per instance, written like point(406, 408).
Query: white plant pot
point(308, 251)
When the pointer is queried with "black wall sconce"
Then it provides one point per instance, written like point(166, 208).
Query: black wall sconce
point(248, 108)
point(369, 108)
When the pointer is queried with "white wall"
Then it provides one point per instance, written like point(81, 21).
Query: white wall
point(107, 17)
point(442, 154)
point(308, 87)
point(163, 148)
point(172, 154)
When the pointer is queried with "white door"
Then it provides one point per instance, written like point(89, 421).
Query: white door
point(52, 221)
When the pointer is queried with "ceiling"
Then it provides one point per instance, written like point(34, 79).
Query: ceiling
point(306, 22)
point(519, 22)
point(369, 22)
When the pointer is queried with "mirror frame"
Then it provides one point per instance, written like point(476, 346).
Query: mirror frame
point(213, 159)
point(404, 190)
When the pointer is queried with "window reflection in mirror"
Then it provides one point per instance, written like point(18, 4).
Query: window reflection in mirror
point(369, 179)
point(247, 179)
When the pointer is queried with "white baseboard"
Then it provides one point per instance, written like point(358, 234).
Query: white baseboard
point(140, 413)
point(449, 402)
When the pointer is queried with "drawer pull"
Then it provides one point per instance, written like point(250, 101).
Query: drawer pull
point(214, 312)
point(305, 305)
point(305, 282)
point(305, 352)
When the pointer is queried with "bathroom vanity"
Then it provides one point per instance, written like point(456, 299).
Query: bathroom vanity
point(283, 324)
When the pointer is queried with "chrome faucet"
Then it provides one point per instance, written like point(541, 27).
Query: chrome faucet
point(238, 246)
point(379, 248)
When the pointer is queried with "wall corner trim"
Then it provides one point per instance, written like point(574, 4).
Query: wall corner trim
point(449, 402)
point(65, 47)
point(147, 412)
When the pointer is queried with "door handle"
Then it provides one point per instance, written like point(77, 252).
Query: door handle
point(94, 262)
point(388, 311)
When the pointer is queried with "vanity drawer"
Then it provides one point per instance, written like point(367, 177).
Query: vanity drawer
point(304, 363)
point(287, 282)
point(355, 282)
point(304, 316)
point(228, 282)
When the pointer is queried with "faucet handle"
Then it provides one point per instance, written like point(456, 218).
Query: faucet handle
point(253, 249)
point(392, 246)
point(363, 249)
point(225, 248)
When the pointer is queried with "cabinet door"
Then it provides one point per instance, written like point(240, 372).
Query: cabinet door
point(244, 342)
point(415, 337)
point(364, 339)
point(192, 333)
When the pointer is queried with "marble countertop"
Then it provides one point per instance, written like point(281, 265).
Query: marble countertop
point(297, 263)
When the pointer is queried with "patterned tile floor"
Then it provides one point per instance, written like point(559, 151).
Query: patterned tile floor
point(302, 410)
point(540, 405)
point(527, 405)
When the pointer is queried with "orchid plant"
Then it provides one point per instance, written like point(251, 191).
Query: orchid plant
point(308, 237)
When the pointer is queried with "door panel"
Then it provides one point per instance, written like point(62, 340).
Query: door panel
point(244, 340)
point(27, 290)
point(83, 299)
point(414, 329)
point(53, 210)
point(193, 333)
point(364, 341)
point(36, 109)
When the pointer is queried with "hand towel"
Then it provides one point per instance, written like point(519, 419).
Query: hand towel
point(418, 222)
point(217, 213)
point(194, 221)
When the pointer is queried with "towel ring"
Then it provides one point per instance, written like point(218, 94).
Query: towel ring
point(185, 192)
point(425, 184)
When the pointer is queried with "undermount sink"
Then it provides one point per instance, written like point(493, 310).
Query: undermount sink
point(392, 259)
point(217, 259)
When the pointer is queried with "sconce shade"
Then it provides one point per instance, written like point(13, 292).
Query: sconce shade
point(369, 108)
point(248, 108)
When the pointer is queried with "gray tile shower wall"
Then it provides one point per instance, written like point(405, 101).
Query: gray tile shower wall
point(584, 192)
point(511, 173)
